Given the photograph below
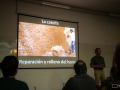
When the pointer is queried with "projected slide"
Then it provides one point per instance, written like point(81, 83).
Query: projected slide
point(46, 43)
point(46, 40)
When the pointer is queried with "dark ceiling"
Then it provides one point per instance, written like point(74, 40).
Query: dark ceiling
point(109, 6)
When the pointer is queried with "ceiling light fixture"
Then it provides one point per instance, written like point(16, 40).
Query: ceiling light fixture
point(115, 15)
point(55, 5)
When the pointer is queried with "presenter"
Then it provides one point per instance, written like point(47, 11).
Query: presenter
point(98, 63)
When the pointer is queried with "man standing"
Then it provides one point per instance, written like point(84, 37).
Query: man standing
point(98, 63)
point(72, 36)
point(81, 81)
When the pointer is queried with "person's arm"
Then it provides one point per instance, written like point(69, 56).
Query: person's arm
point(68, 85)
point(73, 35)
point(68, 36)
point(93, 65)
point(74, 43)
point(103, 63)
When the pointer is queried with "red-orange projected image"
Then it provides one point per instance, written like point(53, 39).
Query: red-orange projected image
point(45, 40)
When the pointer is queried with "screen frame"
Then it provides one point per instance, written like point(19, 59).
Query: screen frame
point(48, 19)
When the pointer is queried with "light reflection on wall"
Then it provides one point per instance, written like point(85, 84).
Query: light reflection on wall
point(13, 52)
point(8, 46)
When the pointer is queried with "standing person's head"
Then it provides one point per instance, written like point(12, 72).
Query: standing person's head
point(71, 30)
point(98, 51)
point(9, 66)
point(116, 61)
point(80, 67)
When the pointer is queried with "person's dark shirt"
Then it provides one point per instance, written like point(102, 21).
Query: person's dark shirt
point(97, 61)
point(7, 83)
point(80, 82)
point(110, 83)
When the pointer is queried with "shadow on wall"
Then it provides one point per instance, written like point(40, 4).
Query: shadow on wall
point(57, 82)
point(7, 49)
